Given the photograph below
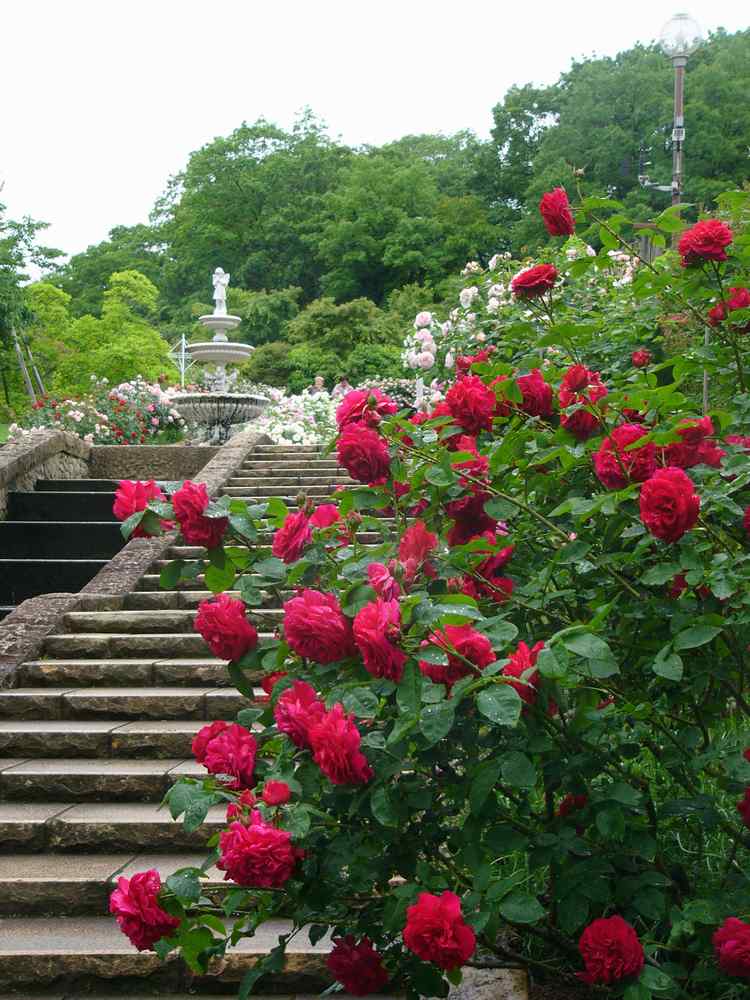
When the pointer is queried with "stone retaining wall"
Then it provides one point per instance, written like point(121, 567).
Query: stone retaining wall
point(48, 454)
point(170, 462)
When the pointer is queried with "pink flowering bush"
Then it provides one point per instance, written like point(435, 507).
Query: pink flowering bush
point(508, 724)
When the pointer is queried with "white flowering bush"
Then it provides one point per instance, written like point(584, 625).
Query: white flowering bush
point(306, 418)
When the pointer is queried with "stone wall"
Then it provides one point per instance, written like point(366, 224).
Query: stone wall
point(169, 462)
point(48, 454)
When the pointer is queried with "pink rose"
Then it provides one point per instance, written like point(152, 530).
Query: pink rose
point(225, 628)
point(189, 504)
point(377, 629)
point(135, 904)
point(233, 752)
point(259, 856)
point(298, 708)
point(335, 743)
point(291, 539)
point(315, 627)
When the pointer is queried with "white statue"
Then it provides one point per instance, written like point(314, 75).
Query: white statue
point(220, 280)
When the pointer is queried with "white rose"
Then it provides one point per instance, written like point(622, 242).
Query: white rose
point(423, 319)
point(468, 295)
point(425, 359)
point(481, 337)
point(447, 327)
point(494, 261)
point(449, 359)
point(493, 305)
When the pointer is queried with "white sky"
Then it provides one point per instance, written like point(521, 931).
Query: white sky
point(101, 100)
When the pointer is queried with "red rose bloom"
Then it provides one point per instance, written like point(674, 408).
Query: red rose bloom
point(335, 743)
point(297, 709)
point(226, 630)
point(135, 904)
point(268, 683)
point(537, 394)
point(641, 358)
point(290, 540)
point(233, 752)
point(739, 298)
point(276, 793)
point(706, 240)
point(493, 584)
point(465, 361)
point(189, 504)
point(669, 504)
point(471, 403)
point(325, 515)
point(694, 446)
point(363, 453)
point(315, 627)
point(732, 947)
point(743, 807)
point(258, 856)
point(364, 406)
point(580, 387)
point(555, 211)
point(436, 931)
point(377, 627)
point(534, 281)
point(610, 950)
point(239, 810)
point(572, 803)
point(470, 521)
point(358, 967)
point(133, 496)
point(521, 665)
point(415, 546)
point(746, 520)
point(381, 581)
point(466, 641)
point(615, 466)
point(204, 736)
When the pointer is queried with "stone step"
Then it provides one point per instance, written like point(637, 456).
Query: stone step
point(60, 506)
point(152, 598)
point(253, 494)
point(300, 480)
point(287, 449)
point(110, 646)
point(98, 738)
point(91, 779)
point(290, 466)
point(24, 578)
point(76, 485)
point(204, 703)
point(95, 826)
point(134, 673)
point(86, 953)
point(139, 622)
point(59, 539)
point(264, 539)
point(80, 884)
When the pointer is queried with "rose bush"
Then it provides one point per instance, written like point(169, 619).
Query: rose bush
point(513, 717)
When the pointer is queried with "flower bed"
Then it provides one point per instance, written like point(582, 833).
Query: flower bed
point(517, 728)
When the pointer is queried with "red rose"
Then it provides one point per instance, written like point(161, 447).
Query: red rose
point(555, 211)
point(189, 504)
point(615, 466)
point(694, 446)
point(572, 803)
point(415, 546)
point(204, 736)
point(535, 281)
point(268, 683)
point(580, 387)
point(377, 627)
point(335, 743)
point(135, 904)
point(358, 967)
point(537, 394)
point(297, 709)
point(226, 630)
point(259, 856)
point(499, 591)
point(290, 540)
point(477, 466)
point(470, 521)
point(492, 584)
point(743, 807)
point(233, 752)
point(276, 793)
point(364, 406)
point(610, 950)
point(436, 931)
point(465, 361)
point(746, 520)
point(641, 358)
point(521, 665)
point(705, 241)
point(739, 298)
point(133, 496)
point(732, 947)
point(315, 627)
point(363, 453)
point(325, 515)
point(381, 581)
point(466, 641)
point(669, 504)
point(471, 404)
point(239, 810)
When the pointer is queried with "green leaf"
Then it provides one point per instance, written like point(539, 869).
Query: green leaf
point(573, 912)
point(521, 908)
point(661, 574)
point(610, 822)
point(131, 523)
point(485, 779)
point(185, 886)
point(668, 664)
point(501, 509)
point(436, 721)
point(170, 575)
point(272, 569)
point(362, 702)
point(382, 807)
point(440, 475)
point(697, 635)
point(635, 991)
point(655, 980)
point(409, 691)
point(219, 580)
point(501, 704)
point(192, 944)
point(518, 771)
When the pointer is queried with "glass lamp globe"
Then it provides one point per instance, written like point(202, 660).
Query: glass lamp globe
point(680, 36)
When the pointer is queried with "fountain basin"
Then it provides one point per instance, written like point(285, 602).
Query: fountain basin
point(219, 411)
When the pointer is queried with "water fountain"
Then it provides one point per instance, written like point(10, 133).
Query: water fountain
point(219, 409)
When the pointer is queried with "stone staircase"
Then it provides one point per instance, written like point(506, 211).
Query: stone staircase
point(94, 734)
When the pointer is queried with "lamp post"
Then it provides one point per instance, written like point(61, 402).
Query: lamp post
point(679, 38)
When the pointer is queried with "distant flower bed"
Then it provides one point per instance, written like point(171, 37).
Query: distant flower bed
point(134, 412)
point(308, 418)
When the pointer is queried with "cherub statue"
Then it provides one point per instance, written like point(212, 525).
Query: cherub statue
point(220, 280)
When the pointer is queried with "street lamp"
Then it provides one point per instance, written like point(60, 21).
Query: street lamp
point(679, 37)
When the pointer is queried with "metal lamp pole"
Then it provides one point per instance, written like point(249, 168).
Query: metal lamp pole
point(679, 38)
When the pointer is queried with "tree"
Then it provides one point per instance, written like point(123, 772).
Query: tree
point(265, 314)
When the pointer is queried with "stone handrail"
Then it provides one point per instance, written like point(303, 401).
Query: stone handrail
point(43, 454)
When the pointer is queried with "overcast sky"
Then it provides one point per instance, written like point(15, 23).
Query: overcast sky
point(102, 100)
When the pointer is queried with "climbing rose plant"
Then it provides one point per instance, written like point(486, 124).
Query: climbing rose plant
point(514, 728)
